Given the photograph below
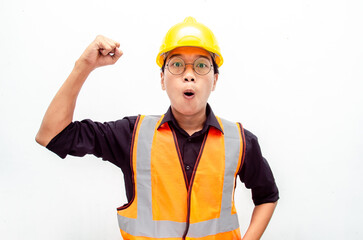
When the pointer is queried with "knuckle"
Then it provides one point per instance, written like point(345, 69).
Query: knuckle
point(99, 36)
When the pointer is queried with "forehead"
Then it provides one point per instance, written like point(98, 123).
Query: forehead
point(189, 52)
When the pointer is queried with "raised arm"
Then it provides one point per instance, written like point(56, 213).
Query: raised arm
point(101, 52)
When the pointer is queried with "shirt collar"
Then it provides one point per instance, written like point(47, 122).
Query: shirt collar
point(211, 119)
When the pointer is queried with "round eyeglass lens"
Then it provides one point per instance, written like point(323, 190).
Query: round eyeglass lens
point(202, 66)
point(176, 65)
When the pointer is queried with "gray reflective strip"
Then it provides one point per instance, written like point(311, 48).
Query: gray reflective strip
point(150, 228)
point(144, 225)
point(213, 226)
point(143, 167)
point(226, 222)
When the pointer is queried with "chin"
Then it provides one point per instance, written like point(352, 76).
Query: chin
point(187, 111)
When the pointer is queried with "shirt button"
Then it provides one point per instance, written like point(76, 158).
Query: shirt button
point(187, 168)
point(189, 139)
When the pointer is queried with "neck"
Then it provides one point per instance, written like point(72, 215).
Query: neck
point(190, 123)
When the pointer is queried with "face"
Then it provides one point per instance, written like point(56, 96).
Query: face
point(189, 91)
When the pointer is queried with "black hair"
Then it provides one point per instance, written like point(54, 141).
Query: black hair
point(215, 66)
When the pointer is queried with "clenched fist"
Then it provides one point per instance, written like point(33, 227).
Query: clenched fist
point(101, 52)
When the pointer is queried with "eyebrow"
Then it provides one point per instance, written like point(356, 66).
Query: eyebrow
point(179, 55)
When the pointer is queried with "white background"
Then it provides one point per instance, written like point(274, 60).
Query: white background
point(292, 75)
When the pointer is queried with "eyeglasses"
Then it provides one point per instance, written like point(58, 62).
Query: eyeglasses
point(201, 66)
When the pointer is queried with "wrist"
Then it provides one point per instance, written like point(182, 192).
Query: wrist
point(82, 66)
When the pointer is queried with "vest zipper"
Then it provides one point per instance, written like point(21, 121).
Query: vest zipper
point(191, 185)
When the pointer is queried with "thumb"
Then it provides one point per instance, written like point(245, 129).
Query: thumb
point(110, 58)
point(118, 53)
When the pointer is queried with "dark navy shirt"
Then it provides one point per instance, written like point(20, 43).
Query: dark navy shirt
point(111, 141)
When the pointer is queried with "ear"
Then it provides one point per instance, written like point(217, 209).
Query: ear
point(215, 81)
point(162, 81)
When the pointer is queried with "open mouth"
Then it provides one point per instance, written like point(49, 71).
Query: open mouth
point(189, 93)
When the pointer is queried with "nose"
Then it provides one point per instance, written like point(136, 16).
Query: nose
point(189, 74)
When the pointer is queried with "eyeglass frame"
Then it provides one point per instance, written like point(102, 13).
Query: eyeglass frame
point(185, 64)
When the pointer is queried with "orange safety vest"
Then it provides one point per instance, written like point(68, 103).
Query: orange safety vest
point(165, 206)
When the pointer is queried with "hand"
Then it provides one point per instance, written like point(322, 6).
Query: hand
point(101, 52)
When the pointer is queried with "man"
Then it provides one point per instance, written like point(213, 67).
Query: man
point(180, 168)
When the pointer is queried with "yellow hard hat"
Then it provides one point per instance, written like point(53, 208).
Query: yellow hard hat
point(190, 33)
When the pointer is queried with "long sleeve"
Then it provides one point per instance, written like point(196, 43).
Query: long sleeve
point(256, 173)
